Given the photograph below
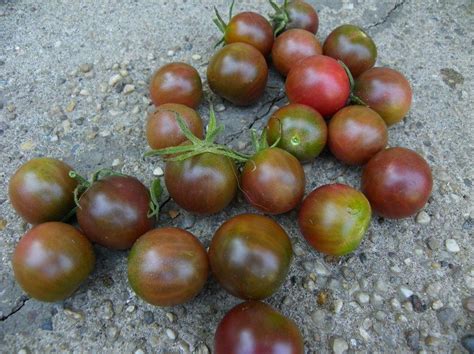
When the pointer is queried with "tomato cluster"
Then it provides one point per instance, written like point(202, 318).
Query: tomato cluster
point(336, 97)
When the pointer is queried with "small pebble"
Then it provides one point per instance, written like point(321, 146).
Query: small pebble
point(196, 57)
point(11, 107)
point(171, 317)
point(380, 315)
point(112, 332)
point(27, 145)
point(432, 341)
point(73, 314)
point(123, 72)
point(418, 305)
point(468, 302)
point(423, 218)
point(85, 68)
point(139, 351)
point(116, 162)
point(128, 89)
point(337, 306)
point(298, 250)
point(362, 298)
point(447, 316)
point(201, 349)
point(107, 310)
point(23, 351)
point(381, 286)
point(158, 171)
point(220, 107)
point(171, 334)
point(114, 80)
point(436, 305)
point(413, 339)
point(321, 269)
point(70, 106)
point(170, 53)
point(84, 92)
point(339, 345)
point(3, 224)
point(405, 292)
point(130, 308)
point(452, 246)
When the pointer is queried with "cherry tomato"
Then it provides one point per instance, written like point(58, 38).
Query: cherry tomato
point(386, 91)
point(398, 182)
point(353, 46)
point(203, 184)
point(162, 129)
point(238, 72)
point(176, 83)
point(167, 266)
point(296, 14)
point(250, 256)
point(273, 181)
point(356, 133)
point(292, 46)
point(113, 212)
point(41, 190)
point(320, 82)
point(302, 131)
point(334, 218)
point(52, 260)
point(254, 327)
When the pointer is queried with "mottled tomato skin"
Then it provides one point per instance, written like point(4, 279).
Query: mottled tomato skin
point(41, 190)
point(176, 83)
point(167, 266)
point(113, 212)
point(353, 46)
point(202, 184)
point(254, 327)
point(302, 131)
point(397, 182)
point(250, 256)
point(302, 15)
point(251, 28)
point(273, 181)
point(162, 129)
point(320, 82)
point(238, 72)
point(292, 46)
point(334, 218)
point(356, 134)
point(52, 260)
point(386, 91)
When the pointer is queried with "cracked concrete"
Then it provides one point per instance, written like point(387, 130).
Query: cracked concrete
point(389, 14)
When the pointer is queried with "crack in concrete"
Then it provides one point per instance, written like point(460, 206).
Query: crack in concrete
point(17, 308)
point(388, 15)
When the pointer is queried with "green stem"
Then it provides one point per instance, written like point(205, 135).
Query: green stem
point(155, 193)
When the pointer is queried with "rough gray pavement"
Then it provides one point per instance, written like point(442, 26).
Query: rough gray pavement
point(408, 288)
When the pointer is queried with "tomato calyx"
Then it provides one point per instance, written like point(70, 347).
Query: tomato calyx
point(280, 18)
point(261, 143)
point(353, 98)
point(221, 24)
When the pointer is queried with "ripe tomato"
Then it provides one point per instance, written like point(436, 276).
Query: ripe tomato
point(250, 256)
point(302, 131)
point(176, 83)
point(334, 218)
point(386, 91)
point(167, 266)
point(113, 212)
point(320, 82)
point(353, 46)
point(295, 14)
point(162, 129)
point(254, 327)
point(238, 72)
point(52, 260)
point(292, 46)
point(397, 182)
point(41, 190)
point(273, 181)
point(356, 133)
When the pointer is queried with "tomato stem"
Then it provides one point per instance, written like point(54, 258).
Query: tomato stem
point(352, 98)
point(221, 24)
point(280, 18)
point(155, 193)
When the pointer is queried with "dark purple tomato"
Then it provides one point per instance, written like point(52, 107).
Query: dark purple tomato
point(176, 83)
point(238, 72)
point(302, 131)
point(334, 218)
point(202, 184)
point(273, 181)
point(254, 327)
point(292, 46)
point(162, 129)
point(167, 266)
point(398, 182)
point(353, 46)
point(320, 82)
point(113, 212)
point(52, 260)
point(250, 256)
point(297, 14)
point(356, 133)
point(251, 28)
point(386, 91)
point(41, 190)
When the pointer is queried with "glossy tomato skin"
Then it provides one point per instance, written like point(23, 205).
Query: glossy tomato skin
point(176, 83)
point(52, 260)
point(356, 134)
point(397, 182)
point(250, 256)
point(238, 72)
point(353, 46)
point(292, 46)
point(113, 212)
point(162, 129)
point(202, 184)
point(273, 181)
point(41, 190)
point(254, 327)
point(302, 15)
point(334, 218)
point(251, 28)
point(167, 266)
point(302, 131)
point(320, 82)
point(386, 91)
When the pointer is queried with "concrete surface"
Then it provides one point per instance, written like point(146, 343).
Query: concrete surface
point(405, 289)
